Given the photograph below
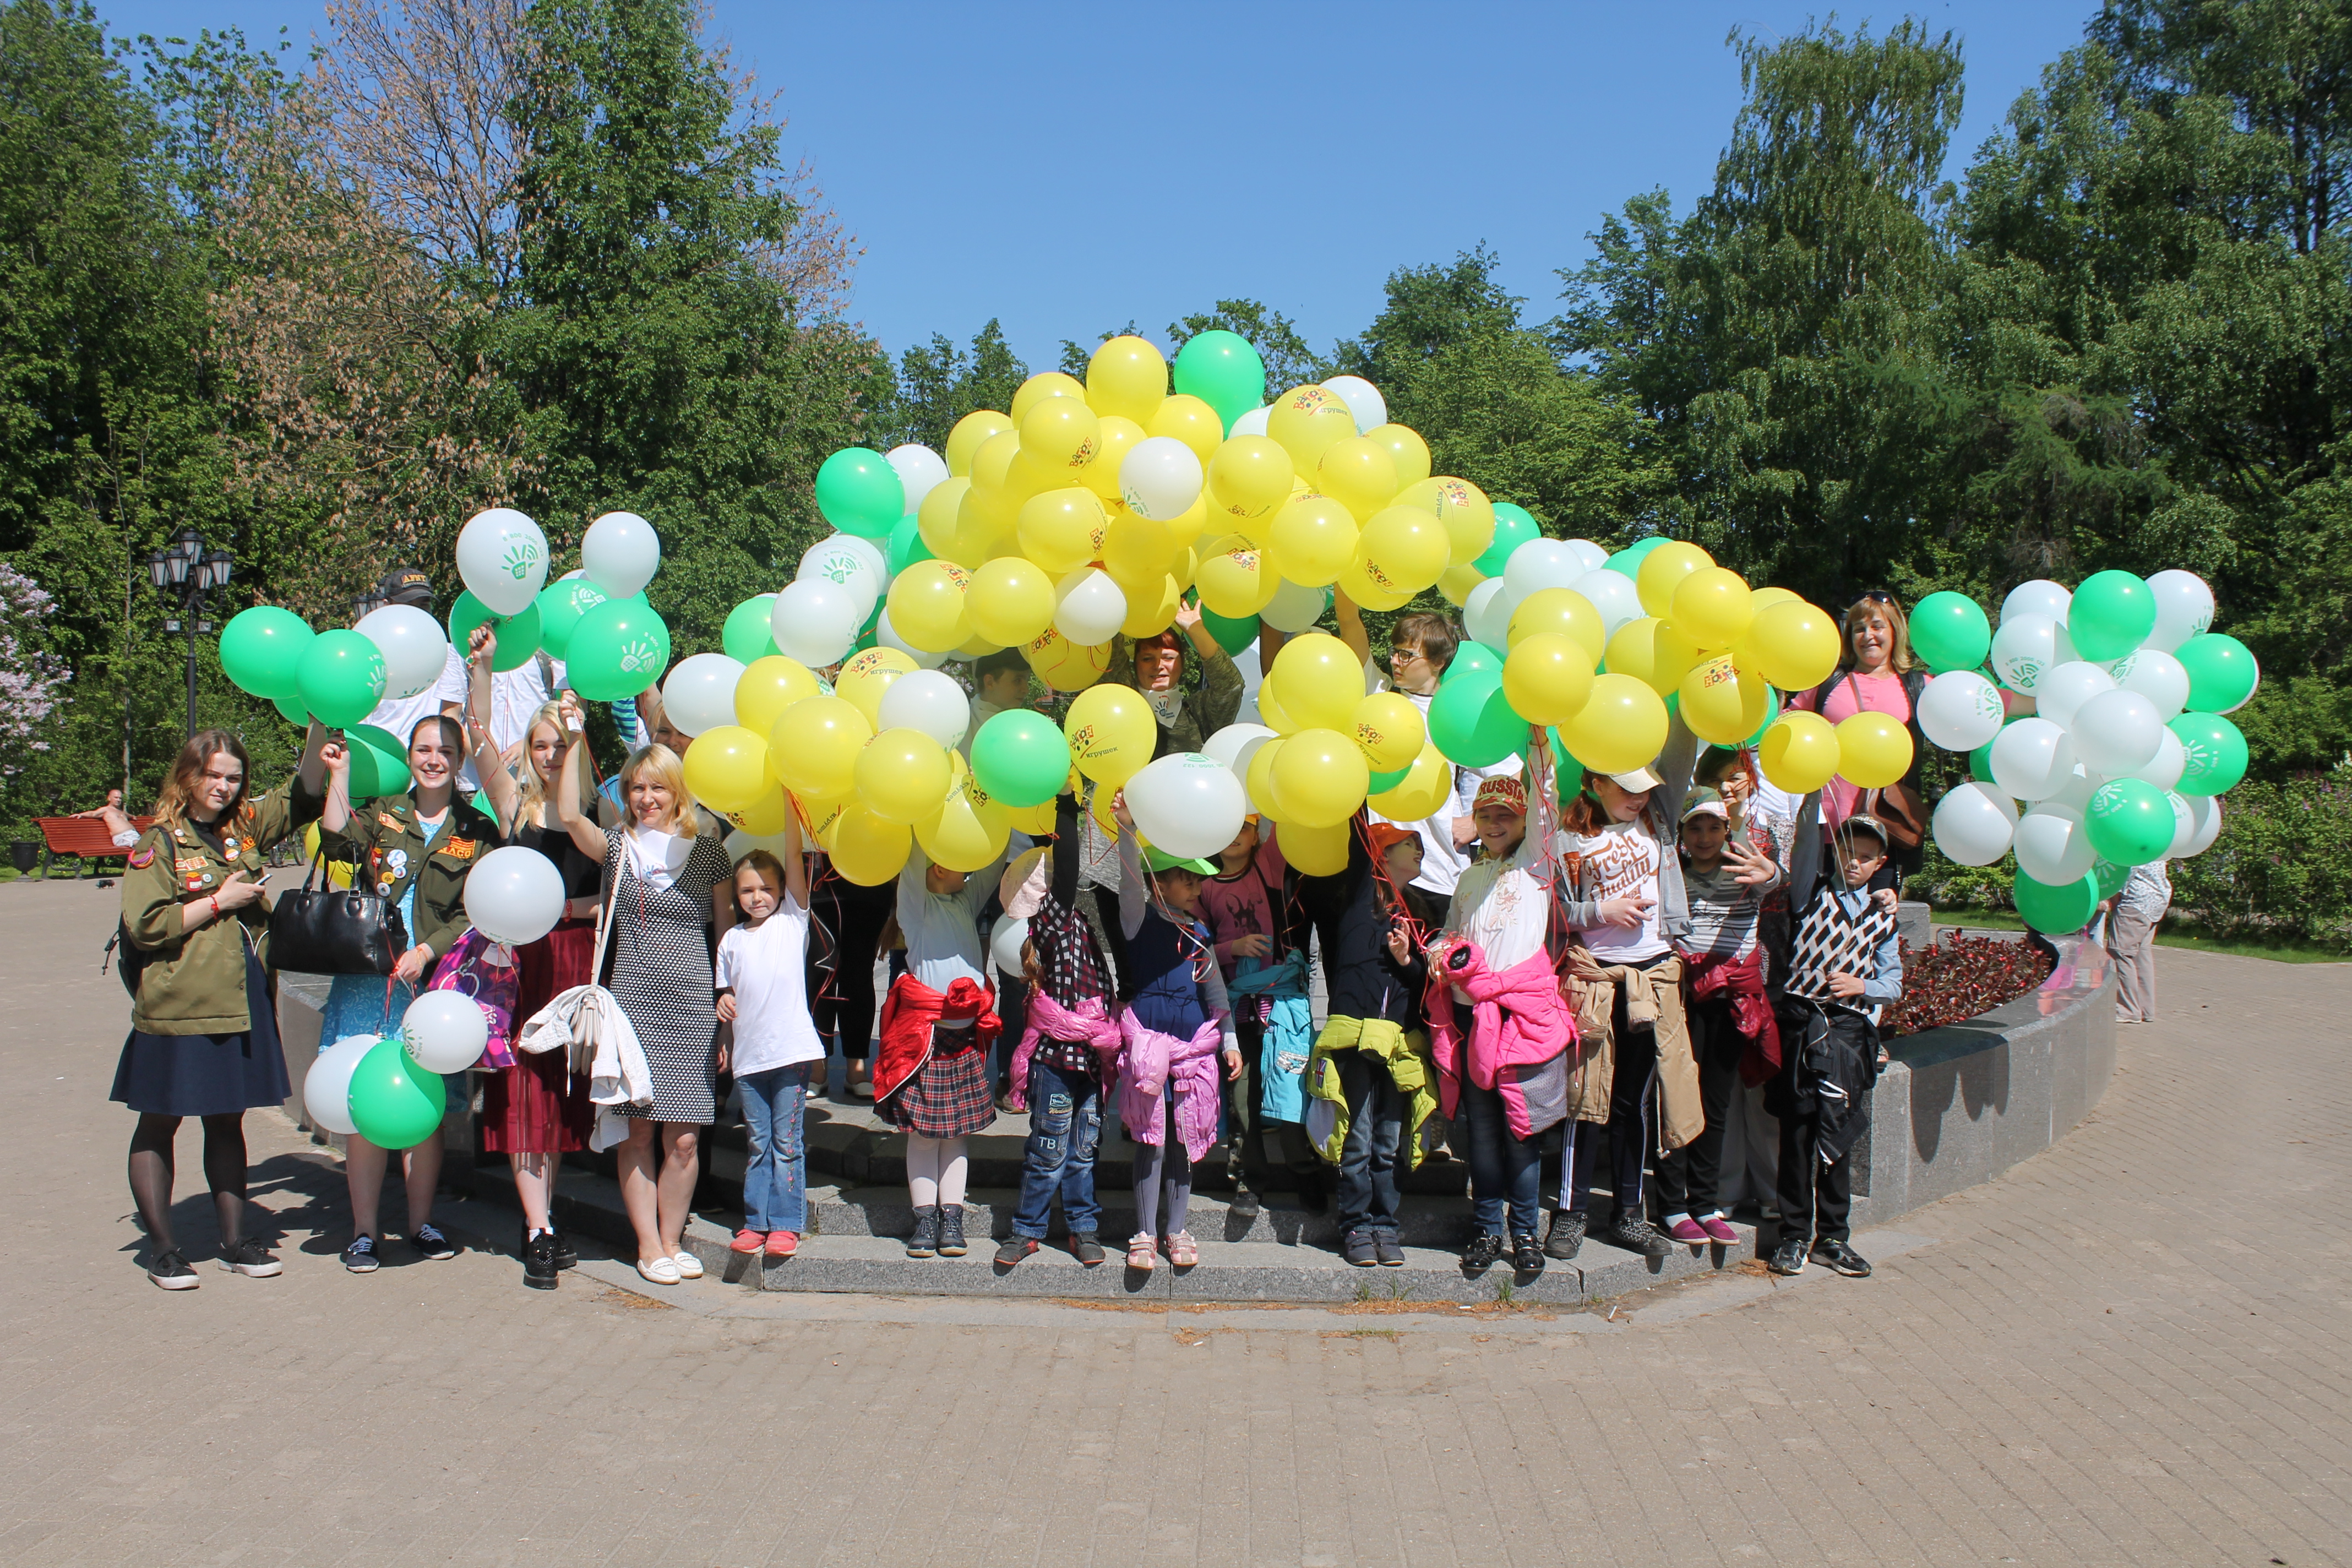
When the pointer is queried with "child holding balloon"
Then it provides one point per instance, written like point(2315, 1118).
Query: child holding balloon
point(761, 995)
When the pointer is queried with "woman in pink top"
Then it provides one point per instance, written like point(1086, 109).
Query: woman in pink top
point(1877, 676)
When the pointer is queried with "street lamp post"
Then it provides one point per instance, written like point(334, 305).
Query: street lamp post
point(184, 571)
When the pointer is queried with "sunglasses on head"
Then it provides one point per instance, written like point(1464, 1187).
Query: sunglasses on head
point(1879, 596)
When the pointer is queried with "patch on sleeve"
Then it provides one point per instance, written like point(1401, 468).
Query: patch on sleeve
point(388, 820)
point(141, 858)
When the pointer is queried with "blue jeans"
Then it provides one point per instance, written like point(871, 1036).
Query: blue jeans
point(775, 1171)
point(1501, 1166)
point(1064, 1132)
point(1375, 1142)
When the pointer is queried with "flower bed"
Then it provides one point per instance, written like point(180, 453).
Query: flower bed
point(1961, 977)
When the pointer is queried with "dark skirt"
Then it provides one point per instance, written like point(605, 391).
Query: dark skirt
point(207, 1075)
point(540, 1106)
point(949, 1097)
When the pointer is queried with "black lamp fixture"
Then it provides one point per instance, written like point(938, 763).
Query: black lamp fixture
point(185, 570)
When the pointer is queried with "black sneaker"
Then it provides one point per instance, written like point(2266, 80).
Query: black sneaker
point(1245, 1205)
point(253, 1260)
point(1564, 1237)
point(1526, 1258)
point(1086, 1248)
point(951, 1242)
point(171, 1270)
point(1482, 1252)
point(566, 1255)
point(540, 1269)
point(1388, 1250)
point(1788, 1257)
point(1360, 1250)
point(360, 1256)
point(925, 1241)
point(1014, 1249)
point(1640, 1236)
point(430, 1242)
point(1838, 1257)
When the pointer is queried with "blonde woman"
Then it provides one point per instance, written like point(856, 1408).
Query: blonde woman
point(1877, 676)
point(670, 901)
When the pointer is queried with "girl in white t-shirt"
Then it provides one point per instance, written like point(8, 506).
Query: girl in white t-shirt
point(776, 1050)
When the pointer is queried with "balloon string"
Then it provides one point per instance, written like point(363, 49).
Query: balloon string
point(1417, 935)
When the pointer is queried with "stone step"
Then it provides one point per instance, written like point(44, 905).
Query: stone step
point(1443, 1222)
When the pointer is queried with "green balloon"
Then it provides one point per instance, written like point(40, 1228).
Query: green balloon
point(519, 635)
point(261, 649)
point(2130, 821)
point(1232, 635)
point(395, 1104)
point(2216, 751)
point(560, 605)
point(859, 492)
point(1950, 631)
point(1387, 781)
point(1772, 714)
point(2057, 909)
point(749, 632)
point(1514, 526)
point(1568, 773)
point(619, 649)
point(342, 678)
point(2223, 673)
point(907, 546)
point(1628, 560)
point(1223, 370)
point(1471, 659)
point(291, 709)
point(1472, 724)
point(2112, 614)
point(379, 762)
point(1021, 757)
point(2110, 876)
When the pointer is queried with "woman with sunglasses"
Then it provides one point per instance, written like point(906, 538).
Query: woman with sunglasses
point(1876, 675)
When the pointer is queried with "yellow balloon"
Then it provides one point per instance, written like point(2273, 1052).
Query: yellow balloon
point(866, 674)
point(1547, 677)
point(1126, 377)
point(1063, 665)
point(983, 518)
point(1035, 820)
point(1152, 606)
point(1187, 526)
point(1407, 450)
point(1463, 508)
point(1620, 727)
point(821, 817)
point(1191, 421)
point(1317, 851)
point(969, 833)
point(1137, 549)
point(1714, 608)
point(902, 776)
point(765, 816)
point(1025, 476)
point(769, 686)
point(1874, 750)
point(1257, 780)
point(1041, 386)
point(1761, 599)
point(1367, 594)
point(1402, 550)
point(1794, 644)
point(991, 463)
point(1009, 600)
point(1357, 472)
point(1248, 478)
point(1111, 733)
point(1561, 610)
point(869, 850)
point(978, 648)
point(1662, 570)
point(1322, 683)
point(1389, 731)
point(970, 432)
point(727, 767)
point(1061, 531)
point(1423, 793)
point(1799, 753)
point(927, 605)
point(1723, 703)
point(1233, 578)
point(937, 517)
point(1315, 535)
point(1118, 439)
point(813, 745)
point(1651, 652)
point(1060, 434)
point(1457, 583)
point(1308, 421)
point(1321, 778)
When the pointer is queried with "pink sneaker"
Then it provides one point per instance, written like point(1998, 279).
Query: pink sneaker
point(782, 1243)
point(746, 1241)
point(1687, 1233)
point(1718, 1230)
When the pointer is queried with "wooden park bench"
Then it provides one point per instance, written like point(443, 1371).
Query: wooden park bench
point(83, 837)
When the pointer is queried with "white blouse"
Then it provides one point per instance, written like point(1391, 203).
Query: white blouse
point(1502, 905)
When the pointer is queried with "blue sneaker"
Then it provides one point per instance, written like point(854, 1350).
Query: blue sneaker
point(360, 1256)
point(430, 1242)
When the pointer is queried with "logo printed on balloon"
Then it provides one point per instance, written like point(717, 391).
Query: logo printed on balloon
point(641, 654)
point(521, 557)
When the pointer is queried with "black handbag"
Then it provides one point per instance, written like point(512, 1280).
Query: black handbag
point(327, 930)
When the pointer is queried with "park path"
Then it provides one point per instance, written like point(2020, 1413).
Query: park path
point(2133, 1348)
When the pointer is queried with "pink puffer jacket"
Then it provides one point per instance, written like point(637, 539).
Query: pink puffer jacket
point(1519, 1032)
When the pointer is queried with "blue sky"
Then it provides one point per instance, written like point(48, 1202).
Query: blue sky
point(1070, 167)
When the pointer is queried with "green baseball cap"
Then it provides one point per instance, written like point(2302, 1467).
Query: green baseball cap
point(1160, 861)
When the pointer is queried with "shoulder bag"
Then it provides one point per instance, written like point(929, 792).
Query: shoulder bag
point(327, 930)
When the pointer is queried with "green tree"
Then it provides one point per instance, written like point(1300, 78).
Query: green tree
point(938, 384)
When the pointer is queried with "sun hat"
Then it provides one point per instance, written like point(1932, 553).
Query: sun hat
point(1157, 860)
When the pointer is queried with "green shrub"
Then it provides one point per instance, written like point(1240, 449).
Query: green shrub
point(2281, 868)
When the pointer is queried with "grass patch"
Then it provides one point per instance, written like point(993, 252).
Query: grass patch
point(2278, 953)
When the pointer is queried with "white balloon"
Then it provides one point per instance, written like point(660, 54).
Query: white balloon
point(1543, 564)
point(415, 649)
point(443, 1031)
point(1295, 607)
point(620, 553)
point(2025, 650)
point(1364, 400)
point(502, 557)
point(2116, 732)
point(1960, 712)
point(1973, 824)
point(1613, 594)
point(700, 692)
point(1004, 940)
point(2170, 762)
point(514, 895)
point(2053, 846)
point(1187, 803)
point(839, 562)
point(2184, 609)
point(1486, 614)
point(2031, 758)
point(2157, 676)
point(1089, 607)
point(2040, 597)
point(1252, 423)
point(926, 701)
point(815, 622)
point(2064, 688)
point(327, 1087)
point(1591, 557)
point(1159, 478)
point(1228, 744)
point(2074, 794)
point(919, 470)
point(887, 635)
point(2204, 815)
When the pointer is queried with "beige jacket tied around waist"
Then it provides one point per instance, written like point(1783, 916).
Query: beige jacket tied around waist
point(1654, 997)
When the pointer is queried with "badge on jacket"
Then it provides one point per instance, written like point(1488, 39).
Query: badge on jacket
point(459, 849)
point(388, 820)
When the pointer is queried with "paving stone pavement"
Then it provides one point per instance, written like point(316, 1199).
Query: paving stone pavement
point(2130, 1350)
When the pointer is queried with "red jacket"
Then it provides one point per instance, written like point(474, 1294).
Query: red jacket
point(1752, 1010)
point(908, 1013)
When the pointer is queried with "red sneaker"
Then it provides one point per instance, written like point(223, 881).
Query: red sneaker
point(746, 1241)
point(782, 1243)
point(1718, 1231)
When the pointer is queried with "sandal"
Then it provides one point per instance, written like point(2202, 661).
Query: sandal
point(1142, 1252)
point(1182, 1250)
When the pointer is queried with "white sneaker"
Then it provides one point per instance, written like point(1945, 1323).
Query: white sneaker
point(688, 1264)
point(660, 1270)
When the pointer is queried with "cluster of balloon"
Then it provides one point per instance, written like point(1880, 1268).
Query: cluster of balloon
point(596, 618)
point(2101, 713)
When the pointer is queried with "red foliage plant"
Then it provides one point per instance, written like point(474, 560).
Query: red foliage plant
point(1960, 977)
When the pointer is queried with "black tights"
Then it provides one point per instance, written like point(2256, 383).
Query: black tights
point(150, 1174)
